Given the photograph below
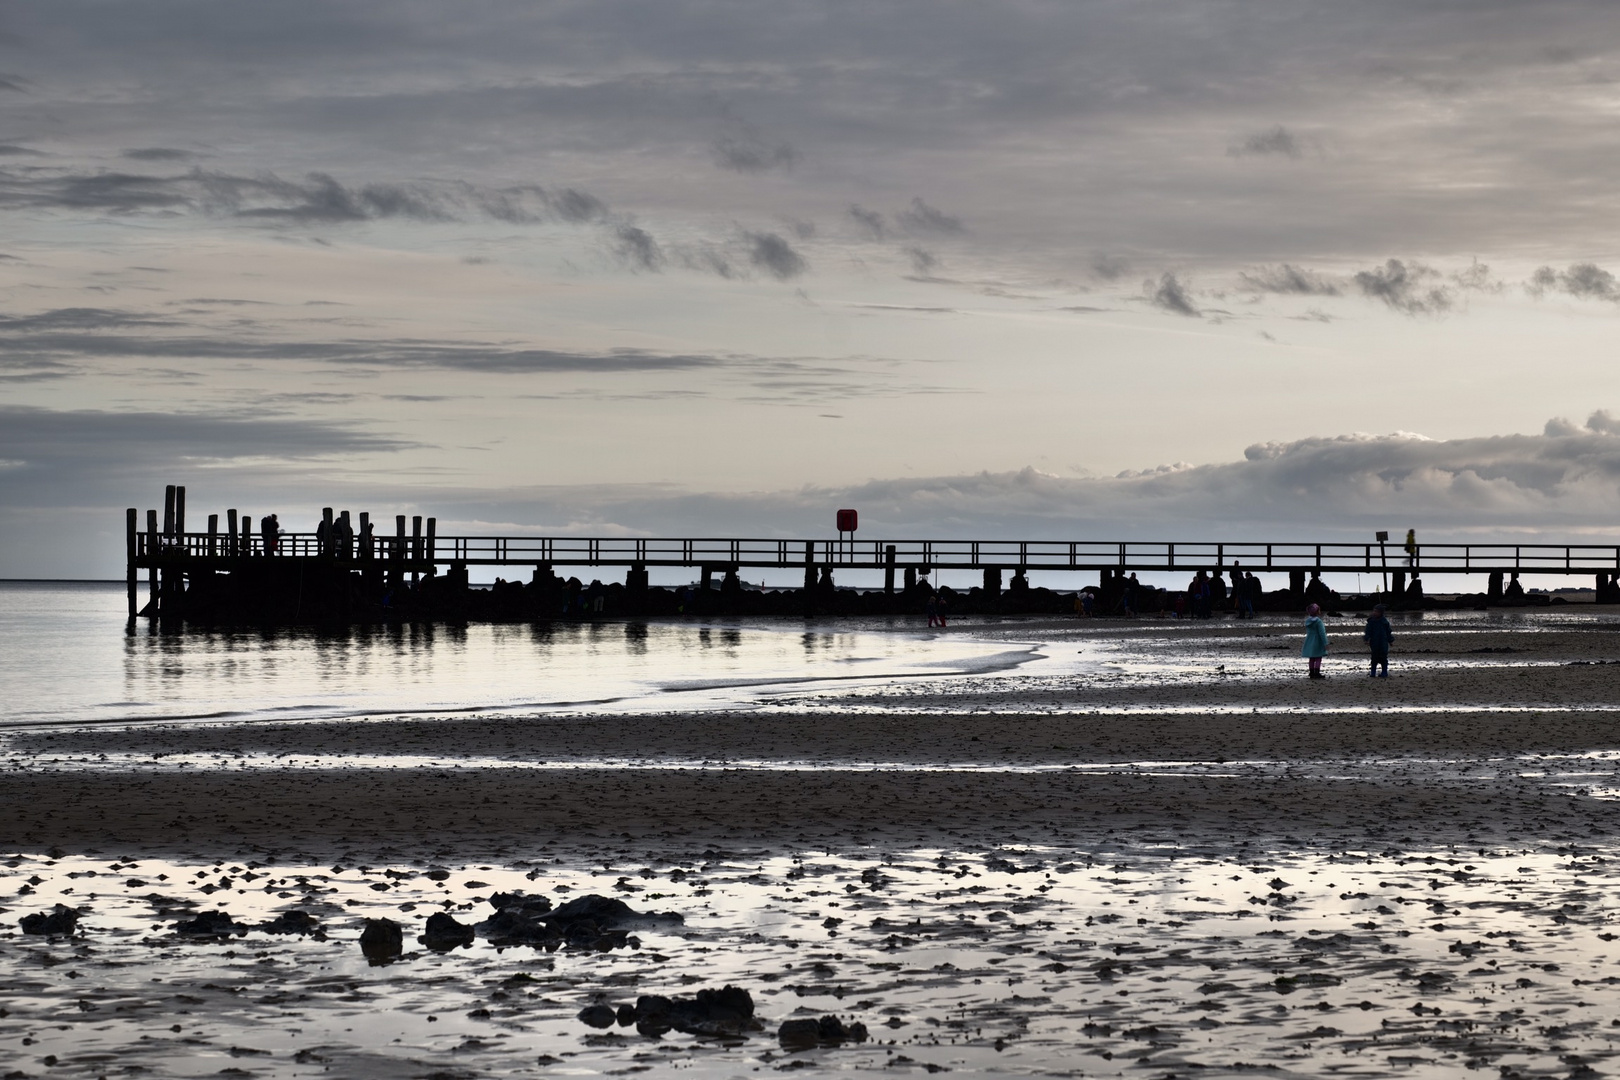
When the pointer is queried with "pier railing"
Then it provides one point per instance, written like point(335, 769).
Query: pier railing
point(154, 548)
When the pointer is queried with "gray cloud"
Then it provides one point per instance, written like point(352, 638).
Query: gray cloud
point(922, 261)
point(1171, 295)
point(13, 150)
point(636, 248)
point(745, 150)
point(1277, 140)
point(1110, 267)
point(62, 454)
point(1601, 422)
point(1527, 486)
point(319, 198)
point(1405, 287)
point(869, 220)
point(925, 220)
point(775, 256)
point(1586, 281)
point(157, 153)
point(1288, 280)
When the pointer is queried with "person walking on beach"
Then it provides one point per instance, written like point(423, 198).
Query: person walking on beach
point(1378, 636)
point(1315, 646)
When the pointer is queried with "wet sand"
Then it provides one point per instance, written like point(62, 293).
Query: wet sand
point(1125, 873)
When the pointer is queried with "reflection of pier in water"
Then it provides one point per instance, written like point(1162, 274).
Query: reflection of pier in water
point(175, 558)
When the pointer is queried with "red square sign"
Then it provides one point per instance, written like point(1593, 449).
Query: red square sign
point(847, 520)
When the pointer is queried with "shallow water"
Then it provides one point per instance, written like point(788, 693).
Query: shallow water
point(65, 658)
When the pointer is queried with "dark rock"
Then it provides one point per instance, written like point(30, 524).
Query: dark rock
point(598, 1016)
point(382, 940)
point(513, 927)
point(443, 932)
point(804, 1034)
point(626, 1015)
point(291, 922)
point(211, 924)
point(59, 921)
point(529, 905)
point(604, 912)
point(727, 1011)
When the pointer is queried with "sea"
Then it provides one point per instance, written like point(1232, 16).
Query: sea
point(68, 656)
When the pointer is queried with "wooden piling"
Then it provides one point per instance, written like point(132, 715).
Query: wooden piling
point(131, 528)
point(888, 570)
point(213, 535)
point(168, 511)
point(231, 547)
point(416, 545)
point(367, 550)
point(180, 513)
point(326, 546)
point(151, 571)
point(396, 576)
point(246, 546)
point(431, 550)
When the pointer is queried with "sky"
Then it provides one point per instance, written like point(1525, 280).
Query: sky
point(1091, 269)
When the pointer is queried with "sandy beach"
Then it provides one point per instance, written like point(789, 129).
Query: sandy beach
point(1220, 869)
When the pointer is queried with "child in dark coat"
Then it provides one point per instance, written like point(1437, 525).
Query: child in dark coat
point(1378, 635)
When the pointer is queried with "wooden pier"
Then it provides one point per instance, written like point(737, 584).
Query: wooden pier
point(350, 555)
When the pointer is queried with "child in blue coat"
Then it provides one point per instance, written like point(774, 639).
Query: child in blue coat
point(1378, 635)
point(1315, 646)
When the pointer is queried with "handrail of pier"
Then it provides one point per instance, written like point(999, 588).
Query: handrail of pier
point(1182, 556)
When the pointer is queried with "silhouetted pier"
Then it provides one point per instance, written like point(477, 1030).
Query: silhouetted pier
point(347, 570)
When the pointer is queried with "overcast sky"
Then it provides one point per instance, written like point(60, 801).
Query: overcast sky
point(1074, 269)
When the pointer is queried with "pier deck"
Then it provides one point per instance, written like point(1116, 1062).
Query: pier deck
point(172, 555)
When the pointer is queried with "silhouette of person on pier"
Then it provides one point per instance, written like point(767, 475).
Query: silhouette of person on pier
point(270, 531)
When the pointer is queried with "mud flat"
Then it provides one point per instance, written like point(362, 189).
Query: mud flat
point(1162, 867)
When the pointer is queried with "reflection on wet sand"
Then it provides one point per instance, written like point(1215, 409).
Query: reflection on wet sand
point(1027, 961)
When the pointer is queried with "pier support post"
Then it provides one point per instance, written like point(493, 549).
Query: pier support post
point(635, 582)
point(213, 535)
point(992, 581)
point(809, 567)
point(888, 570)
point(180, 513)
point(396, 576)
point(168, 511)
point(431, 550)
point(1493, 588)
point(230, 533)
point(416, 546)
point(1397, 585)
point(911, 579)
point(367, 547)
point(151, 557)
point(326, 546)
point(131, 528)
point(1296, 583)
point(245, 547)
